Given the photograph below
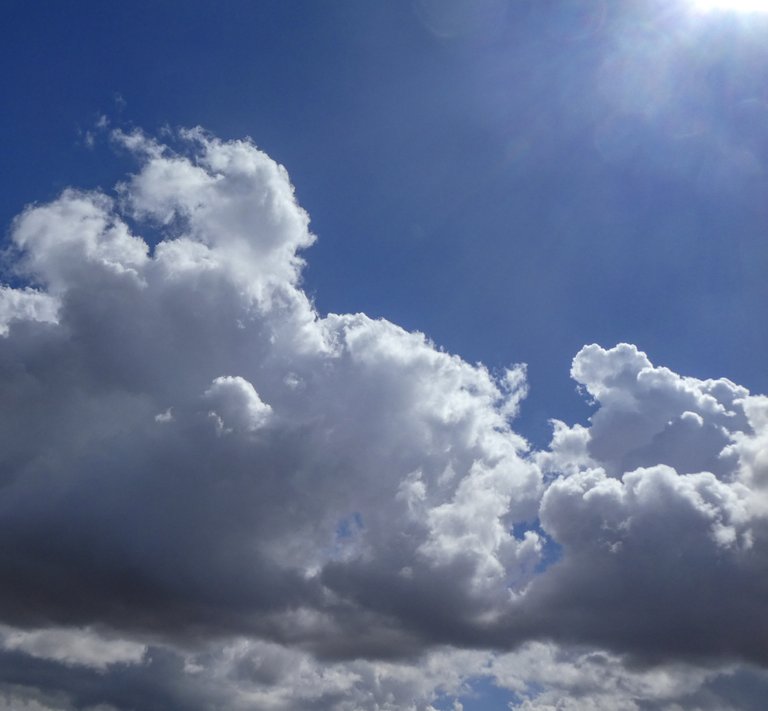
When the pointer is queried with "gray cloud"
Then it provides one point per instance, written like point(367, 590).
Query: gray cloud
point(214, 497)
point(659, 515)
point(186, 439)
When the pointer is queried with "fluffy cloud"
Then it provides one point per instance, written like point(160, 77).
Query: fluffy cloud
point(659, 512)
point(213, 496)
point(186, 440)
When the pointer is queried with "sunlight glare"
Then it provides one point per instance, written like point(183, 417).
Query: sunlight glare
point(731, 5)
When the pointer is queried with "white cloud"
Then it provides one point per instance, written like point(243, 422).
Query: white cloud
point(273, 508)
point(72, 646)
point(155, 354)
point(236, 404)
point(650, 415)
point(659, 514)
point(25, 305)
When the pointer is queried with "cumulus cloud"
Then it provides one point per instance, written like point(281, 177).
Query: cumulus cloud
point(215, 497)
point(659, 514)
point(185, 435)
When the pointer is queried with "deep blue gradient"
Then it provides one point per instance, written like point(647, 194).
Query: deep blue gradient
point(515, 179)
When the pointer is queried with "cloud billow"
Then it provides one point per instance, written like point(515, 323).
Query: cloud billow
point(197, 466)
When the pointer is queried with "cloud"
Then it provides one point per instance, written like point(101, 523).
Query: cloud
point(659, 513)
point(25, 305)
point(214, 496)
point(236, 404)
point(184, 434)
point(246, 674)
point(72, 647)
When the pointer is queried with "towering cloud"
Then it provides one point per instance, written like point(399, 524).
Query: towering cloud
point(213, 496)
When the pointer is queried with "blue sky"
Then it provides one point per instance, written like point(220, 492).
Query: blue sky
point(515, 179)
point(557, 174)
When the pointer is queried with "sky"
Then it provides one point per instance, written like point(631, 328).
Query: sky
point(384, 355)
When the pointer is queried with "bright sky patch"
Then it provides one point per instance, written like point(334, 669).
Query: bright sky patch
point(731, 5)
